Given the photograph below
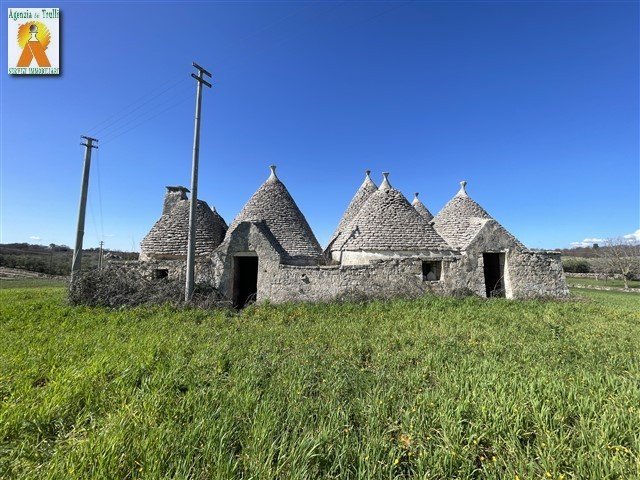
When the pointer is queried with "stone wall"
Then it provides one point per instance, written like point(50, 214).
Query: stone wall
point(531, 275)
point(383, 279)
point(536, 274)
point(363, 257)
point(595, 276)
point(175, 268)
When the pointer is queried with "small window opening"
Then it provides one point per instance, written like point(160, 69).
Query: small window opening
point(159, 273)
point(431, 271)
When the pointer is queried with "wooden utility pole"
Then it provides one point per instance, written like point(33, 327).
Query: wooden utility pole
point(100, 256)
point(191, 246)
point(77, 251)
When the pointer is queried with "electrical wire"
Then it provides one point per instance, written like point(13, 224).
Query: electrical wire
point(94, 130)
point(100, 194)
point(147, 102)
point(109, 140)
point(93, 218)
point(115, 129)
point(121, 127)
point(173, 82)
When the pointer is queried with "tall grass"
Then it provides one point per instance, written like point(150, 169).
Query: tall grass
point(431, 388)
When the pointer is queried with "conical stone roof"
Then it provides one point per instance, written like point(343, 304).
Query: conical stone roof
point(169, 235)
point(364, 192)
point(421, 209)
point(272, 204)
point(388, 222)
point(461, 219)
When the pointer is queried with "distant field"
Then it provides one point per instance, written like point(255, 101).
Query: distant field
point(31, 283)
point(601, 283)
point(431, 388)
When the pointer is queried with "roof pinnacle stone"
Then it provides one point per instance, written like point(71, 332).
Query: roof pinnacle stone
point(463, 189)
point(385, 185)
point(273, 175)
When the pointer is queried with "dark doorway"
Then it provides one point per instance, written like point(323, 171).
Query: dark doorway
point(494, 274)
point(245, 280)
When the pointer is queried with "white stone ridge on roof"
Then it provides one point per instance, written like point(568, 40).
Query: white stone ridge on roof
point(421, 209)
point(272, 204)
point(361, 196)
point(387, 221)
point(169, 235)
point(460, 220)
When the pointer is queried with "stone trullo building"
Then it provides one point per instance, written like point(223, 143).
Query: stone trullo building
point(383, 246)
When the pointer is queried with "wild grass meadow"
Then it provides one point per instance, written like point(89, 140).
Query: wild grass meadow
point(431, 388)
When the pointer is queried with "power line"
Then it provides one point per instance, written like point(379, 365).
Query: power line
point(143, 97)
point(118, 128)
point(100, 195)
point(119, 119)
point(115, 133)
point(109, 122)
point(146, 120)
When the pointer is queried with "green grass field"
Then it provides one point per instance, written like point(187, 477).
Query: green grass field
point(430, 388)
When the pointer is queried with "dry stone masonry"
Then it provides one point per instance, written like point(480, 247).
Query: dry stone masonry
point(383, 247)
point(168, 237)
point(421, 209)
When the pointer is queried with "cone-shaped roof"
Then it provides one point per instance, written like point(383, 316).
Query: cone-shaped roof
point(359, 199)
point(461, 219)
point(421, 209)
point(169, 236)
point(272, 204)
point(387, 221)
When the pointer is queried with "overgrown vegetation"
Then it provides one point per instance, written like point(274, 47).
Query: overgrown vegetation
point(431, 388)
point(115, 287)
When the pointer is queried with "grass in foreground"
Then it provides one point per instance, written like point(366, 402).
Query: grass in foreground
point(431, 388)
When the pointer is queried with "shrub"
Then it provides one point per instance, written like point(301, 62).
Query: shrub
point(122, 287)
point(576, 265)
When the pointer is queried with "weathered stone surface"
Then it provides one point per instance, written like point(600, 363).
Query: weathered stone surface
point(273, 205)
point(387, 221)
point(169, 236)
point(460, 220)
point(364, 192)
point(247, 238)
point(421, 208)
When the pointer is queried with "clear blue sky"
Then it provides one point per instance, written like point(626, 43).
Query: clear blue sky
point(536, 104)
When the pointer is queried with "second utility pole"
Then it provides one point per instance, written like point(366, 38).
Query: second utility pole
point(191, 245)
point(77, 251)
